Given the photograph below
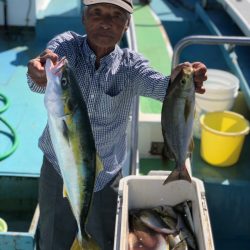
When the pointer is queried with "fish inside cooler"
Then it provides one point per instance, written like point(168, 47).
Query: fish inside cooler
point(162, 227)
point(141, 205)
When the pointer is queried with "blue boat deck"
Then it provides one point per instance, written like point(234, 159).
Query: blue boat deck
point(59, 17)
point(26, 113)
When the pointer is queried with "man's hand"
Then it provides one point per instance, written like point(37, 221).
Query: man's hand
point(200, 74)
point(36, 69)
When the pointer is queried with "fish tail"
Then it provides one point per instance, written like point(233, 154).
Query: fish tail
point(177, 174)
point(76, 245)
point(92, 245)
point(87, 244)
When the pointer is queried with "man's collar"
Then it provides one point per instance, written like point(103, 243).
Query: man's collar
point(108, 59)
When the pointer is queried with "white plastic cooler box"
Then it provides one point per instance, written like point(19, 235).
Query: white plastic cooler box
point(149, 191)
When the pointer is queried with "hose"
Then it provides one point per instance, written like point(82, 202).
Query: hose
point(14, 137)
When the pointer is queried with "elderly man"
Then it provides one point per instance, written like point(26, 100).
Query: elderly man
point(109, 77)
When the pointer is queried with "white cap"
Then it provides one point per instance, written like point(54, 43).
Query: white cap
point(124, 4)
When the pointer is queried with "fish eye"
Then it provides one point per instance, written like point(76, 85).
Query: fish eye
point(183, 81)
point(64, 83)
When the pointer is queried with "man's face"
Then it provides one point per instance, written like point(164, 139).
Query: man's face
point(105, 24)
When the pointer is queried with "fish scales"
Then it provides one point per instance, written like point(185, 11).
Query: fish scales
point(177, 119)
point(73, 142)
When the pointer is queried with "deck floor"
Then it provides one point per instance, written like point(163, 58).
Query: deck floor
point(26, 113)
point(156, 48)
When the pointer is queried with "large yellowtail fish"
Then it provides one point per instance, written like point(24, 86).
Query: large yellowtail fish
point(177, 122)
point(73, 142)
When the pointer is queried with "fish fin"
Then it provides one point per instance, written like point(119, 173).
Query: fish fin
point(65, 131)
point(65, 193)
point(178, 175)
point(88, 244)
point(99, 165)
point(91, 245)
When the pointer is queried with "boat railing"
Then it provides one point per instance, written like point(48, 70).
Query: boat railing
point(206, 40)
point(133, 140)
point(228, 41)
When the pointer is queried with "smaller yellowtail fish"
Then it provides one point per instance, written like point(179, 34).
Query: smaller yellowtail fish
point(73, 142)
point(177, 119)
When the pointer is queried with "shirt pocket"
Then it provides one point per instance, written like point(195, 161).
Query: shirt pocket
point(115, 107)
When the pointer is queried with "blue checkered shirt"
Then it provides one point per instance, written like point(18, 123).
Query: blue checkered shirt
point(108, 92)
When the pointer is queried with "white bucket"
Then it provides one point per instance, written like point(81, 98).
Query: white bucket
point(221, 92)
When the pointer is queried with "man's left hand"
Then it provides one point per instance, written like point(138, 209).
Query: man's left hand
point(200, 75)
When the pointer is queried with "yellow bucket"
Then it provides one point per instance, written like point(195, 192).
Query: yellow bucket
point(222, 137)
point(3, 226)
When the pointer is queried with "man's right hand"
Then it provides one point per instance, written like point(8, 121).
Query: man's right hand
point(36, 67)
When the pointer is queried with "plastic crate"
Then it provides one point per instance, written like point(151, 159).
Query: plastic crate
point(149, 191)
